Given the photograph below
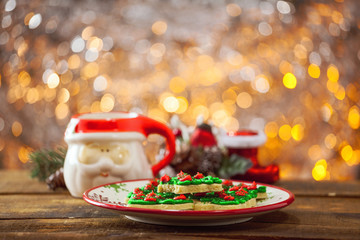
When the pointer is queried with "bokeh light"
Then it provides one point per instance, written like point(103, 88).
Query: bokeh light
point(290, 69)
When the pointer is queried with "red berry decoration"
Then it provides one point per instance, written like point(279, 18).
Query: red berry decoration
point(165, 178)
point(154, 182)
point(241, 192)
point(227, 183)
point(186, 178)
point(252, 187)
point(234, 188)
point(229, 198)
point(181, 197)
point(181, 174)
point(149, 187)
point(139, 195)
point(151, 197)
point(137, 190)
point(221, 194)
point(199, 175)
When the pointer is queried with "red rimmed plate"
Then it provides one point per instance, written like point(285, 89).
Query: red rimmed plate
point(111, 196)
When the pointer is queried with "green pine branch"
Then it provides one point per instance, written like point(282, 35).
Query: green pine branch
point(45, 162)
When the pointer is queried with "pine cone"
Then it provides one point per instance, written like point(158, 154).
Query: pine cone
point(56, 180)
point(199, 159)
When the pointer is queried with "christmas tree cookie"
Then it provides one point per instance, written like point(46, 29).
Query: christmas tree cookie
point(259, 190)
point(148, 197)
point(184, 183)
point(199, 193)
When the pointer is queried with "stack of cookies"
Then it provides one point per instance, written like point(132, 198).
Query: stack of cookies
point(198, 192)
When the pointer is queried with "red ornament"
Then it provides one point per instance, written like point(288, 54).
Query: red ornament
point(202, 136)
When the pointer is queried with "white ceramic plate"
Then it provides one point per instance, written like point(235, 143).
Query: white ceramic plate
point(111, 196)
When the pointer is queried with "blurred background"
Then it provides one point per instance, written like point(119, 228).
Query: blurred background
point(289, 68)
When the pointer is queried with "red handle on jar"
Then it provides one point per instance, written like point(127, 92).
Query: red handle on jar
point(151, 126)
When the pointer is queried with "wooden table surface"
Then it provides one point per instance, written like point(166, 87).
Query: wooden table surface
point(322, 210)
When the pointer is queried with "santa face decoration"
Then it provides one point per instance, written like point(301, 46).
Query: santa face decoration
point(103, 150)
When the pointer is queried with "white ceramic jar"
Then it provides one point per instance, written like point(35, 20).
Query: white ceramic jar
point(107, 147)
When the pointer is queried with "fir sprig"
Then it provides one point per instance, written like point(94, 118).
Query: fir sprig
point(46, 161)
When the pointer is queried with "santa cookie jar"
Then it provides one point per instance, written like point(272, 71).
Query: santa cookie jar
point(108, 147)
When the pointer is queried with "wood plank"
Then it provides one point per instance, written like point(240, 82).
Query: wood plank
point(19, 181)
point(123, 228)
point(319, 211)
point(325, 188)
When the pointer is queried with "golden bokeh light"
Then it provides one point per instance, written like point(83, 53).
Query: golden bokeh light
point(171, 104)
point(244, 100)
point(63, 95)
point(233, 10)
point(90, 70)
point(315, 152)
point(333, 73)
point(231, 124)
point(95, 43)
point(297, 132)
point(355, 159)
point(346, 152)
point(87, 32)
point(28, 17)
point(95, 107)
point(24, 78)
point(285, 132)
point(332, 86)
point(229, 96)
point(314, 71)
point(17, 129)
point(289, 81)
point(183, 105)
point(23, 153)
point(340, 93)
point(53, 80)
point(210, 76)
point(107, 103)
point(159, 27)
point(330, 141)
point(219, 117)
point(319, 171)
point(61, 111)
point(354, 117)
point(271, 129)
point(177, 84)
point(201, 110)
point(285, 67)
point(32, 96)
point(261, 84)
point(74, 61)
